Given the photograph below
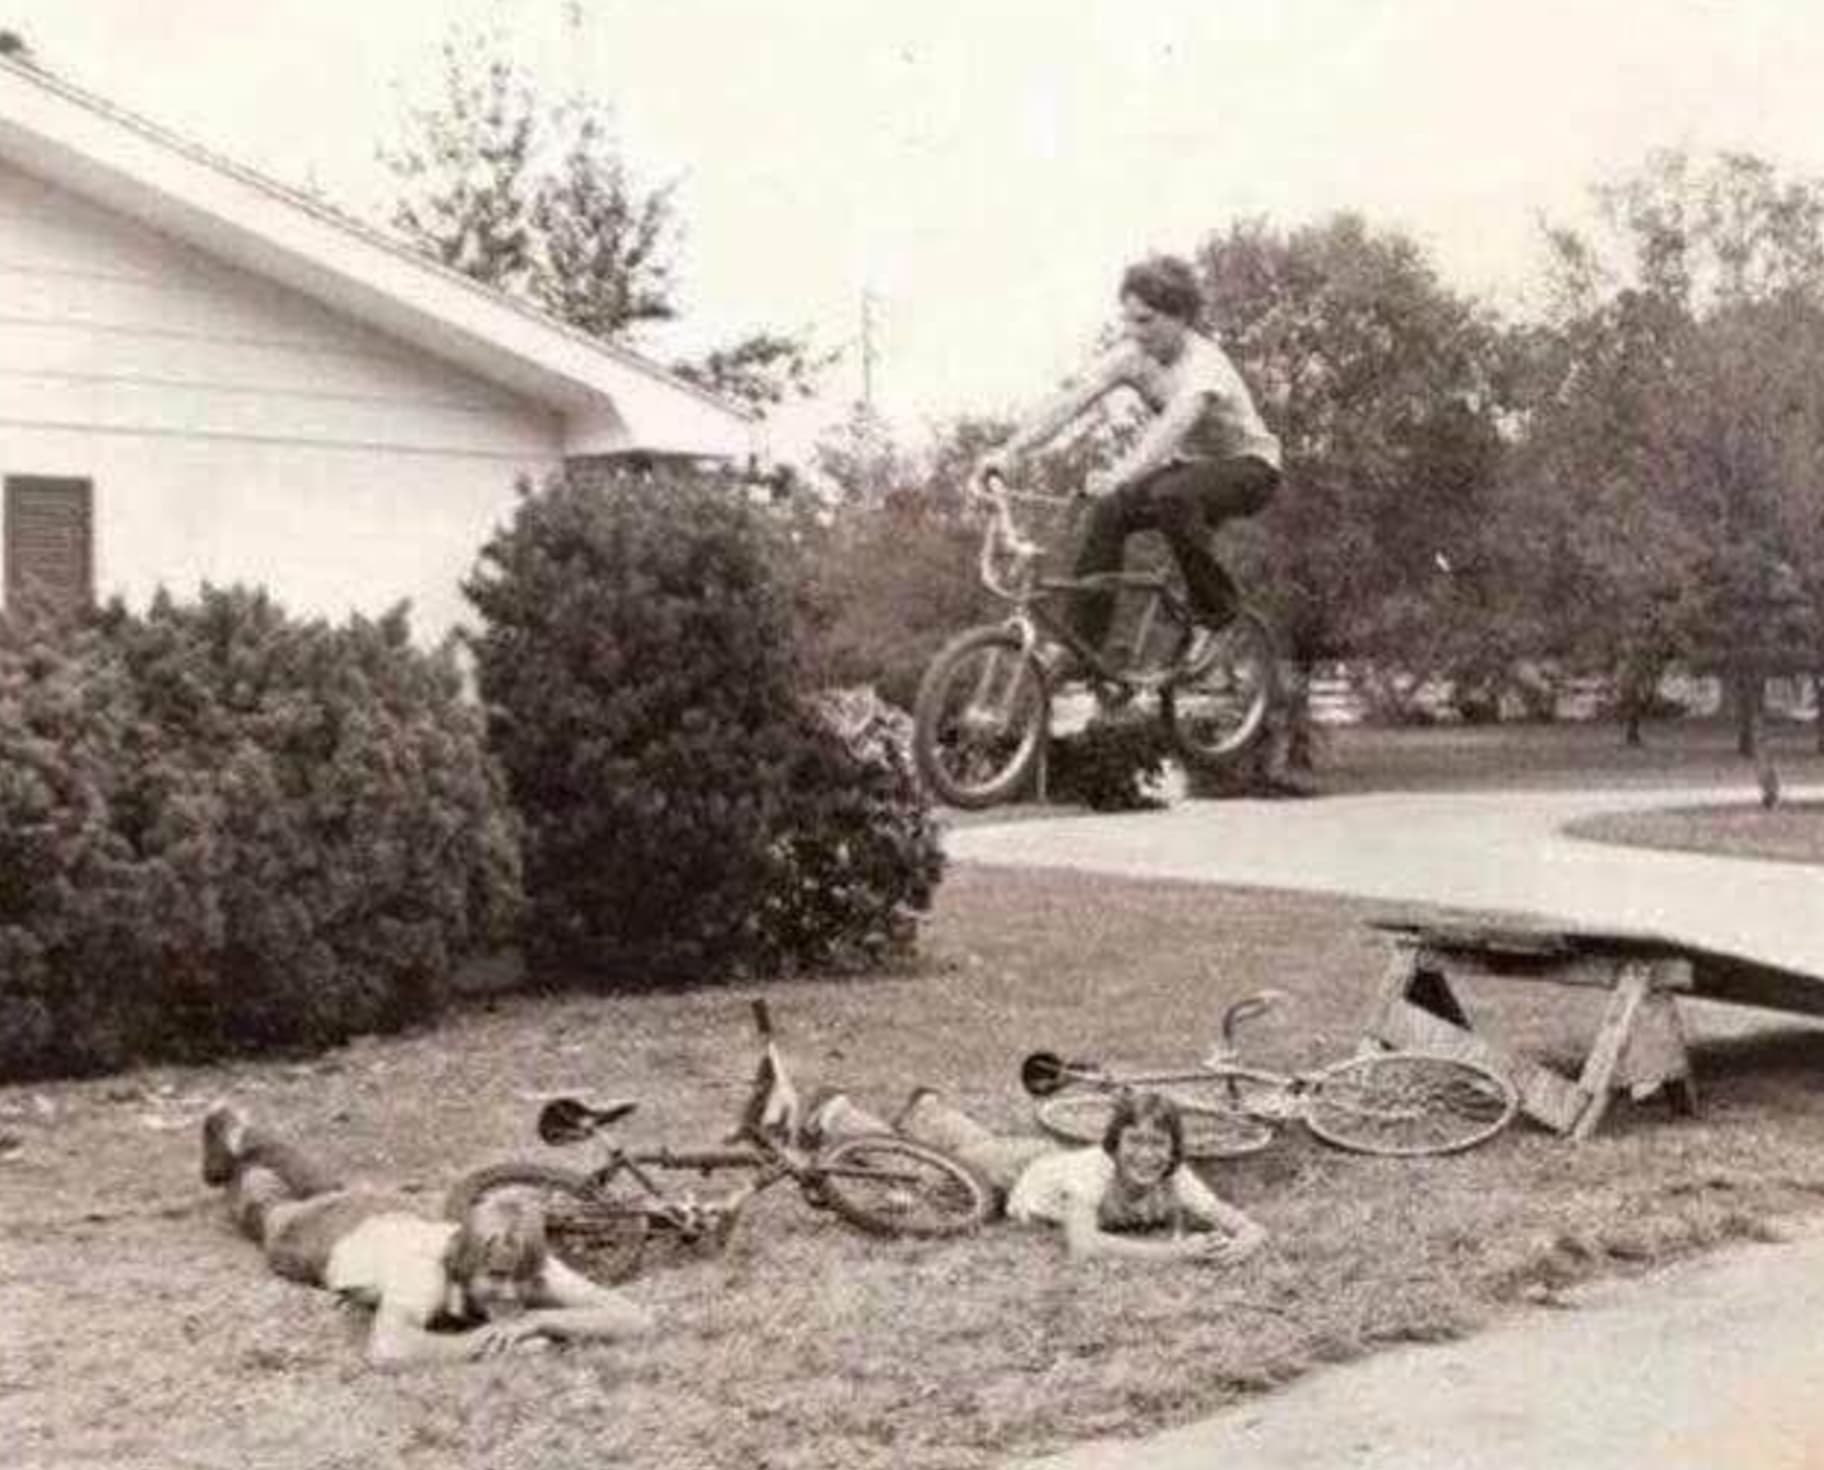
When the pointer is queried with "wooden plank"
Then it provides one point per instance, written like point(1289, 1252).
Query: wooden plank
point(1544, 1095)
point(1655, 1050)
point(1566, 969)
point(1524, 936)
point(1401, 966)
point(1597, 1082)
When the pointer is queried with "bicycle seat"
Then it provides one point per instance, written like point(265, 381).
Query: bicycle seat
point(571, 1120)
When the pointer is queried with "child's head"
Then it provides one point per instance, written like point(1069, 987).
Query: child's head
point(1165, 284)
point(498, 1253)
point(1145, 1137)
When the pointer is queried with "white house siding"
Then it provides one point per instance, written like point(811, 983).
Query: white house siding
point(237, 431)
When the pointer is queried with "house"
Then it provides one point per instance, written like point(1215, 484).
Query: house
point(206, 376)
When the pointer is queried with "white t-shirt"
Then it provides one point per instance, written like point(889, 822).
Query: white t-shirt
point(1229, 426)
point(1046, 1188)
point(399, 1257)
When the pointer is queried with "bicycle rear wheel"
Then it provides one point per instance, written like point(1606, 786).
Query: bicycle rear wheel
point(1216, 711)
point(892, 1186)
point(979, 722)
point(1405, 1103)
point(1211, 1131)
point(594, 1233)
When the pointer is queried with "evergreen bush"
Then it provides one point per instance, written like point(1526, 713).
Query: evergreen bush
point(687, 816)
point(222, 828)
point(1108, 765)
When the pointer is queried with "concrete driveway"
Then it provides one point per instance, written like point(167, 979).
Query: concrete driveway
point(1715, 1364)
point(1496, 851)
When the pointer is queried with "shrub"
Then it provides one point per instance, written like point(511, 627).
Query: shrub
point(222, 828)
point(638, 658)
point(1108, 764)
point(859, 851)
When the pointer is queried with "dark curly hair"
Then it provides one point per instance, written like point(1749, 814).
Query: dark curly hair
point(1165, 283)
point(1132, 1108)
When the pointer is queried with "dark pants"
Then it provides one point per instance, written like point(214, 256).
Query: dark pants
point(1183, 503)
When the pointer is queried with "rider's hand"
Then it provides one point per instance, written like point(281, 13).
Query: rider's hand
point(1098, 483)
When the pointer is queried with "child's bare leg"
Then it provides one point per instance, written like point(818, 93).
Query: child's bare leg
point(998, 1158)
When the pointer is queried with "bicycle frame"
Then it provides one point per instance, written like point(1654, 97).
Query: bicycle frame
point(1032, 597)
point(764, 1143)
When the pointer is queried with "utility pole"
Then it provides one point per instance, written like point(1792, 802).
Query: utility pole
point(867, 351)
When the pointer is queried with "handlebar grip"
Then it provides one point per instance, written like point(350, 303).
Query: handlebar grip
point(1246, 1009)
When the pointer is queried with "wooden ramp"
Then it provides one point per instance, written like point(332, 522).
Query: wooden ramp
point(1639, 1046)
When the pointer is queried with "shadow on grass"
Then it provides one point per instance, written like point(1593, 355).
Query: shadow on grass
point(1764, 1054)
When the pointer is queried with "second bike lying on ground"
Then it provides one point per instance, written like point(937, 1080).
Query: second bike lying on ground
point(1378, 1102)
point(984, 706)
point(598, 1221)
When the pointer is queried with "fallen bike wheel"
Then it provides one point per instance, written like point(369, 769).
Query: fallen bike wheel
point(1216, 710)
point(593, 1233)
point(979, 721)
point(1404, 1103)
point(1210, 1130)
point(892, 1186)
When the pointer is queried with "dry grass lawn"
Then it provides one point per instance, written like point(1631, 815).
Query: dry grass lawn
point(136, 1330)
point(1790, 833)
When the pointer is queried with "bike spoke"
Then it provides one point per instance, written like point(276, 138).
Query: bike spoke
point(1218, 704)
point(897, 1190)
point(989, 712)
point(1409, 1104)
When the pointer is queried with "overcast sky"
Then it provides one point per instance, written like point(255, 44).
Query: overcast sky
point(984, 167)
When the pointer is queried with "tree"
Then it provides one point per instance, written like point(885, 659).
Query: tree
point(1384, 388)
point(533, 199)
point(1674, 454)
point(762, 370)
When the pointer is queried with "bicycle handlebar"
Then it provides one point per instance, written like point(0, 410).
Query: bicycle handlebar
point(1245, 1009)
point(1003, 536)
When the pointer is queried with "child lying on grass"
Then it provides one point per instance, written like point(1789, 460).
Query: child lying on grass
point(439, 1291)
point(1131, 1197)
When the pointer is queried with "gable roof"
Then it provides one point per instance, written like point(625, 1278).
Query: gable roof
point(609, 398)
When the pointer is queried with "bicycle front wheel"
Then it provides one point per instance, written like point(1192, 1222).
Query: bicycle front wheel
point(594, 1233)
point(1216, 711)
point(979, 722)
point(1211, 1131)
point(892, 1186)
point(1405, 1103)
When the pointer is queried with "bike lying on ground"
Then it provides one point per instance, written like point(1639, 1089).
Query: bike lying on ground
point(598, 1221)
point(1388, 1102)
point(984, 706)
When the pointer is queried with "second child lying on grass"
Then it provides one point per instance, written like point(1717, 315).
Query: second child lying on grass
point(1131, 1197)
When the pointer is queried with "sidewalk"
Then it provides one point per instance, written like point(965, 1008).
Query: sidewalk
point(1493, 851)
point(1715, 1364)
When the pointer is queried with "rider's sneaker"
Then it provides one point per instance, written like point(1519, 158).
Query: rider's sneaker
point(1062, 663)
point(1203, 650)
point(833, 1116)
point(224, 1126)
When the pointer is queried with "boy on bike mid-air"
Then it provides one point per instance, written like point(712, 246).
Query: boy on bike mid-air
point(1204, 458)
